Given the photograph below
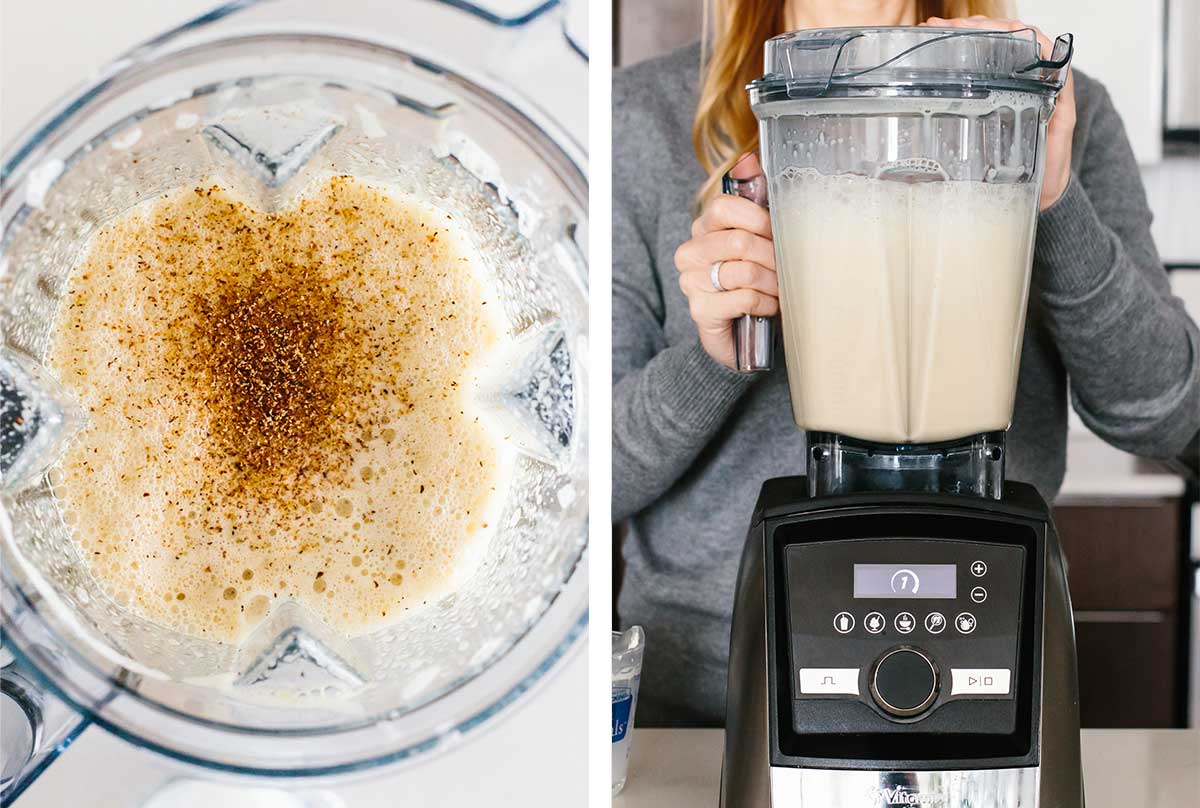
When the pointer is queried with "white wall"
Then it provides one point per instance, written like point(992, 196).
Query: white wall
point(1121, 44)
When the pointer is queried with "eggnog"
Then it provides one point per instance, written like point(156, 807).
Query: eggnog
point(279, 407)
point(903, 302)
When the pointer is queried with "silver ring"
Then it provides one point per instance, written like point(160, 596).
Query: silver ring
point(714, 275)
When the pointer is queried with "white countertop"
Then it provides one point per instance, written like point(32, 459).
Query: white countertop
point(1129, 768)
point(48, 47)
point(1097, 471)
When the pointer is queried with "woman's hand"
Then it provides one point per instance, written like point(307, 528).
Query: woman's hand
point(1062, 123)
point(736, 233)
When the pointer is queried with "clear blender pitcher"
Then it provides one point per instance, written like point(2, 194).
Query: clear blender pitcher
point(903, 168)
point(263, 96)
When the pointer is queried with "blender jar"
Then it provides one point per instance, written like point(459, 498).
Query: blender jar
point(263, 97)
point(903, 167)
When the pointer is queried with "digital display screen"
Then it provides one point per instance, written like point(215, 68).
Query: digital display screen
point(905, 581)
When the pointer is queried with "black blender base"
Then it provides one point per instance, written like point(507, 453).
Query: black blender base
point(773, 726)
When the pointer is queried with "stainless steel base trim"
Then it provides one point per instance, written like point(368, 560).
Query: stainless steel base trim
point(828, 788)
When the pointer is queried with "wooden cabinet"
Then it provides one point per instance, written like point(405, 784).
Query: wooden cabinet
point(1125, 569)
point(1127, 673)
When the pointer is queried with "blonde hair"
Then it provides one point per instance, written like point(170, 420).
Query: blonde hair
point(731, 57)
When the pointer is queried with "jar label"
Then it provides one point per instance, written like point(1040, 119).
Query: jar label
point(622, 706)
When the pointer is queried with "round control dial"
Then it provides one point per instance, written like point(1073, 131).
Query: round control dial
point(904, 682)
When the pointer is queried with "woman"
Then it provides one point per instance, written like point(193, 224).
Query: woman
point(693, 440)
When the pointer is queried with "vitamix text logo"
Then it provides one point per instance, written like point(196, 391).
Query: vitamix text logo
point(901, 795)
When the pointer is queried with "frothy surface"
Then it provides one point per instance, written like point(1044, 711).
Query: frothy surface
point(279, 408)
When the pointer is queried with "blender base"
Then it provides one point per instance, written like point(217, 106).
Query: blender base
point(811, 714)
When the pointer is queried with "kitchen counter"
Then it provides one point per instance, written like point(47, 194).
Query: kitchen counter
point(1122, 767)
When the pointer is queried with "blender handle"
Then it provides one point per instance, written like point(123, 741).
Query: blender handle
point(753, 337)
point(37, 727)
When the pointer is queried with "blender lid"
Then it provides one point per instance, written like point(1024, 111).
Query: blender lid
point(908, 60)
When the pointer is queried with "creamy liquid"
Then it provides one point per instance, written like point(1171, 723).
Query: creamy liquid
point(279, 408)
point(903, 304)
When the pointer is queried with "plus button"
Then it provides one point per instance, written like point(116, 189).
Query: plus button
point(978, 569)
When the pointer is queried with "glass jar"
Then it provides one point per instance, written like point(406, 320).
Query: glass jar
point(903, 168)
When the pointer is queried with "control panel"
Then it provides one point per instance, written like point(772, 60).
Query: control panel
point(905, 625)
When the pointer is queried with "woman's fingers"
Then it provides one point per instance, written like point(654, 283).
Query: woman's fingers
point(1045, 45)
point(729, 212)
point(713, 313)
point(716, 313)
point(732, 237)
point(1061, 130)
point(700, 252)
point(733, 212)
point(733, 275)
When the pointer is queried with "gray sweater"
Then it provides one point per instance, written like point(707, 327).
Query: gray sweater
point(693, 441)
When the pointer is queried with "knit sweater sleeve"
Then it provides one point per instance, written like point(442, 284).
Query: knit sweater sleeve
point(1131, 351)
point(669, 400)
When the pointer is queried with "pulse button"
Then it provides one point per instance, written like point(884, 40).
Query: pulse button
point(904, 682)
